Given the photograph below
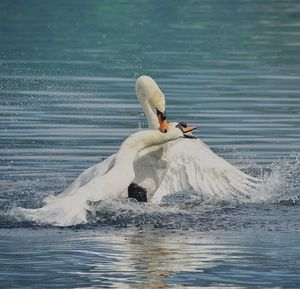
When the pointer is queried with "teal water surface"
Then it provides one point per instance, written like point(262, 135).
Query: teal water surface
point(67, 100)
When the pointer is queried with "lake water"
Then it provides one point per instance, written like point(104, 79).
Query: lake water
point(67, 100)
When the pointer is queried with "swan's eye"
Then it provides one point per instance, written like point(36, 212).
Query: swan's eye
point(181, 125)
point(161, 114)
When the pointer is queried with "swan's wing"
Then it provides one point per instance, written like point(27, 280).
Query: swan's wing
point(89, 174)
point(69, 207)
point(193, 165)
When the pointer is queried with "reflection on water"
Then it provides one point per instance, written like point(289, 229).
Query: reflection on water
point(148, 259)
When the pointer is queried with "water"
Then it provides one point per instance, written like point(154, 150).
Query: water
point(67, 75)
point(148, 259)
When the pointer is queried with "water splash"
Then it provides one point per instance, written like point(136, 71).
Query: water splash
point(186, 209)
point(281, 182)
point(280, 186)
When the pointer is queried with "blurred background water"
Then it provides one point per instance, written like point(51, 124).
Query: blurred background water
point(67, 100)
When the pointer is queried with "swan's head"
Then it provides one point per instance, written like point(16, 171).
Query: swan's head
point(161, 116)
point(153, 101)
point(180, 129)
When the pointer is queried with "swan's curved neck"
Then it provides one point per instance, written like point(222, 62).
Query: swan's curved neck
point(139, 141)
point(151, 116)
point(151, 98)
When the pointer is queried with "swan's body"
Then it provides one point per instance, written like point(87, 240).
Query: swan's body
point(108, 181)
point(113, 183)
point(180, 165)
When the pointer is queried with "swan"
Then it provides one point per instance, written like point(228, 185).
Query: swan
point(68, 209)
point(172, 167)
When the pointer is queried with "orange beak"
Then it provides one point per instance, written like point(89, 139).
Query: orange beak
point(188, 128)
point(163, 125)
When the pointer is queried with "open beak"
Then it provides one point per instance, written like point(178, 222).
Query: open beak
point(163, 125)
point(189, 128)
point(186, 130)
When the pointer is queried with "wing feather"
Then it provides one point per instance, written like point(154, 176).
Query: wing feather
point(193, 165)
point(89, 174)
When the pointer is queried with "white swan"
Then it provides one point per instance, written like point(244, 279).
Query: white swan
point(173, 167)
point(68, 208)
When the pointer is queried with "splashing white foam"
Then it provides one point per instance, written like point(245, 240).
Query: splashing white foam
point(280, 184)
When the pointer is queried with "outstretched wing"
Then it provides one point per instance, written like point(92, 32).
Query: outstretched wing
point(193, 165)
point(89, 174)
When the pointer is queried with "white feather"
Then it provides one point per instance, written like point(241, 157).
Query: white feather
point(193, 165)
